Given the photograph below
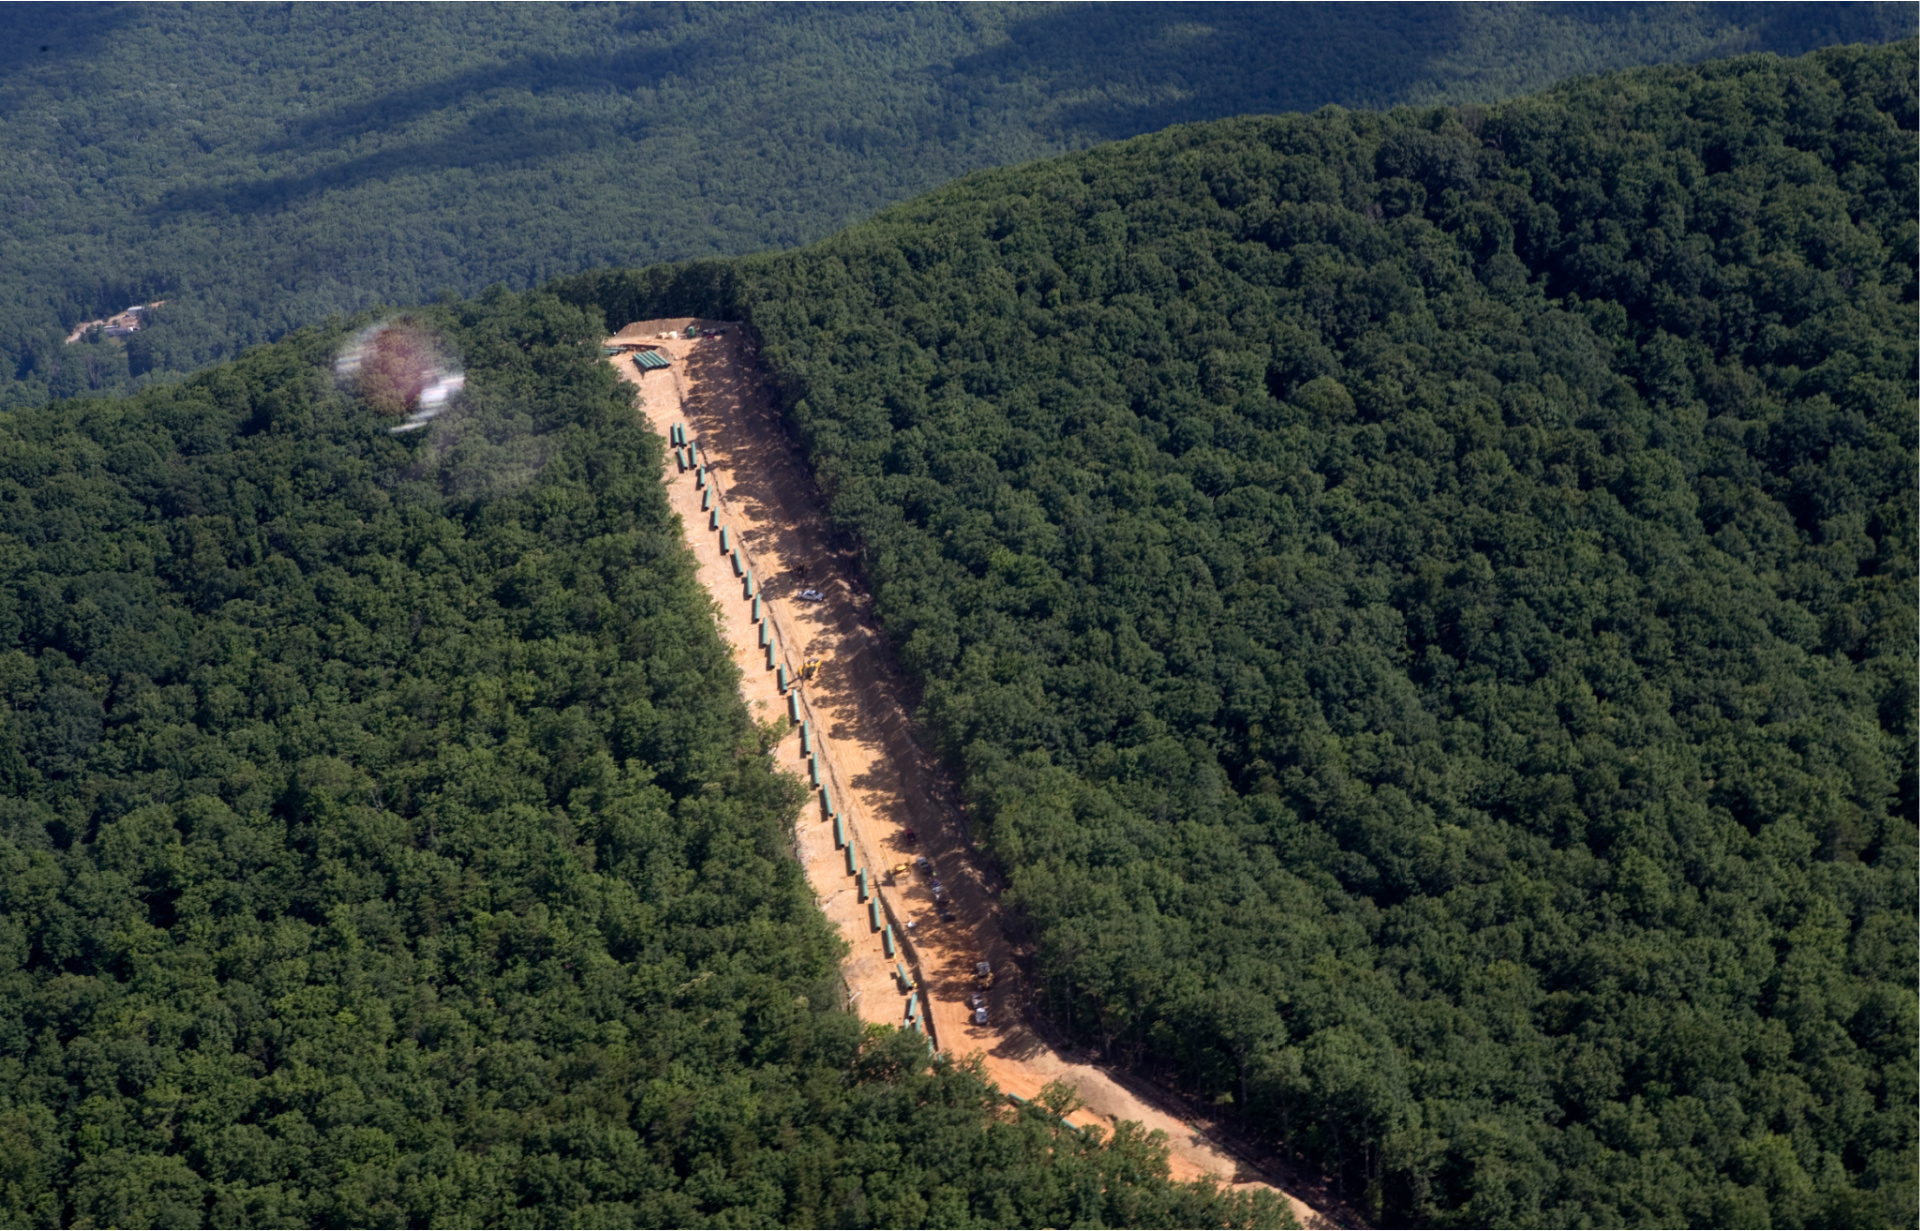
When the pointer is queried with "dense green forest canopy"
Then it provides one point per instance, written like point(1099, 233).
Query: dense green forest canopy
point(261, 167)
point(1423, 604)
point(383, 841)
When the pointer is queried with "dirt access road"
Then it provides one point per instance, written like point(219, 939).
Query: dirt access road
point(875, 774)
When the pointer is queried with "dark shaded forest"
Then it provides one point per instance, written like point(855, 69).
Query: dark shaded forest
point(1423, 606)
point(384, 841)
point(261, 167)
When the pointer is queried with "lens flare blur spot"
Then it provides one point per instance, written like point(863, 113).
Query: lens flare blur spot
point(400, 368)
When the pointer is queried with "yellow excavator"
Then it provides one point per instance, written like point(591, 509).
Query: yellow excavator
point(809, 669)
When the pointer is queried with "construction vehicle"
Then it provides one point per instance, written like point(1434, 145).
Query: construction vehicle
point(983, 974)
point(809, 669)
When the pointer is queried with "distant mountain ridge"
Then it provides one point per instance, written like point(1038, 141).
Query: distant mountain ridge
point(265, 168)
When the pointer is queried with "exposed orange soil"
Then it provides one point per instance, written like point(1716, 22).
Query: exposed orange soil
point(881, 780)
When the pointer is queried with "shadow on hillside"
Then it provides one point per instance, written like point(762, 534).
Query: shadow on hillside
point(71, 34)
point(1118, 71)
point(501, 140)
point(1113, 71)
point(624, 70)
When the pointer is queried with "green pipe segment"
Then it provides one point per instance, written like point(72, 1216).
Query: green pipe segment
point(770, 661)
point(793, 707)
point(853, 861)
point(780, 680)
point(886, 943)
point(873, 916)
point(726, 541)
point(749, 583)
point(806, 738)
point(813, 770)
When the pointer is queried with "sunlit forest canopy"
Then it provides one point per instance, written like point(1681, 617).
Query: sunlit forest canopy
point(1423, 605)
point(262, 167)
point(384, 841)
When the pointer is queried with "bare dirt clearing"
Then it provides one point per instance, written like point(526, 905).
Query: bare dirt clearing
point(879, 778)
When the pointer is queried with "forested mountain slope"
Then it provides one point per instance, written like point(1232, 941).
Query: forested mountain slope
point(261, 167)
point(383, 840)
point(1424, 606)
